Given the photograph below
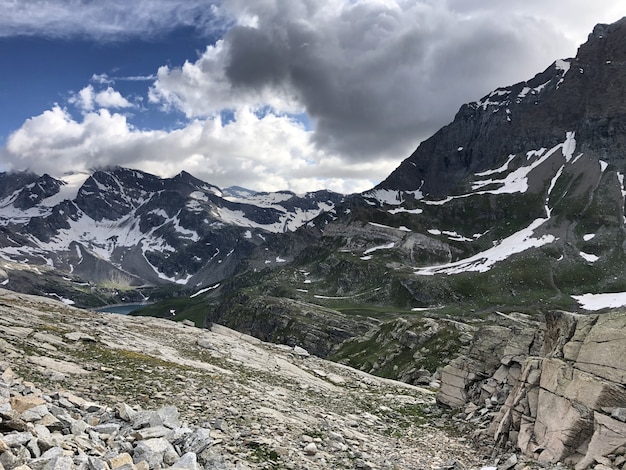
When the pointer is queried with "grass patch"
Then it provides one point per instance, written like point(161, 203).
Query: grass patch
point(177, 309)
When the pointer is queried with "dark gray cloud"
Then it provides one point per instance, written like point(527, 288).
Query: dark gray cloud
point(378, 77)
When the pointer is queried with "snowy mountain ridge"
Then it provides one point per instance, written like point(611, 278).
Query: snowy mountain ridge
point(146, 229)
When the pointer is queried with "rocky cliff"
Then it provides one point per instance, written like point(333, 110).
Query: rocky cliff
point(582, 95)
point(555, 392)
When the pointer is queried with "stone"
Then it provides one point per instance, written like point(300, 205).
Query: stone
point(79, 336)
point(17, 439)
point(7, 412)
point(23, 403)
point(579, 386)
point(153, 451)
point(35, 413)
point(60, 463)
point(604, 348)
point(94, 463)
point(151, 432)
point(52, 453)
point(608, 436)
point(169, 417)
point(204, 342)
point(187, 461)
point(197, 441)
point(91, 407)
point(310, 448)
point(619, 414)
point(560, 427)
point(456, 378)
point(124, 412)
point(508, 463)
point(301, 352)
point(120, 460)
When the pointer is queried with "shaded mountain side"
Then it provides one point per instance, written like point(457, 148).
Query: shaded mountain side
point(583, 95)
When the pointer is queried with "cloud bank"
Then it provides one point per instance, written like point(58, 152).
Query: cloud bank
point(296, 94)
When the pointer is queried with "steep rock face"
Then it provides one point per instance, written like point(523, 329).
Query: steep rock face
point(566, 404)
point(317, 329)
point(581, 95)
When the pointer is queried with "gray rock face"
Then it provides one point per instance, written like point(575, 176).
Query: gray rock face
point(316, 329)
point(563, 405)
point(581, 95)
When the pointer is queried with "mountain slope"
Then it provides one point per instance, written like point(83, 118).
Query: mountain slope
point(522, 192)
point(583, 95)
point(132, 228)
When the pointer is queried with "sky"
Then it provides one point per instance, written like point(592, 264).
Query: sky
point(270, 95)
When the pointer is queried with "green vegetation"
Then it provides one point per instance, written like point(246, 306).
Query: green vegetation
point(178, 309)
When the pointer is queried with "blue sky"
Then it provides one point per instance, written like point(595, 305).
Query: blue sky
point(52, 69)
point(271, 94)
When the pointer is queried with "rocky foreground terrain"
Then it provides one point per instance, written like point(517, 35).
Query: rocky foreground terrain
point(96, 391)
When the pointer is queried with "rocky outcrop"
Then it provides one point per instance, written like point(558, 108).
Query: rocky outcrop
point(491, 366)
point(318, 329)
point(566, 404)
point(411, 350)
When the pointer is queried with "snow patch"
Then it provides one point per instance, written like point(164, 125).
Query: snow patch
point(588, 236)
point(202, 291)
point(484, 261)
point(388, 246)
point(590, 258)
point(600, 301)
point(499, 169)
point(403, 210)
point(393, 197)
point(402, 228)
point(569, 145)
point(62, 299)
point(199, 195)
point(517, 180)
point(562, 65)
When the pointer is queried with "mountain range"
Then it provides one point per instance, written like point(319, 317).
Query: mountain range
point(464, 271)
point(517, 202)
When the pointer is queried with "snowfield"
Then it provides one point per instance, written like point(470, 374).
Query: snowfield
point(599, 301)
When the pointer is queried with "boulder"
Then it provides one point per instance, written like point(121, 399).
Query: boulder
point(608, 436)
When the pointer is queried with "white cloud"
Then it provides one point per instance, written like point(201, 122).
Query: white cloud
point(87, 98)
point(101, 78)
point(84, 98)
point(264, 153)
point(376, 77)
point(111, 98)
point(109, 20)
